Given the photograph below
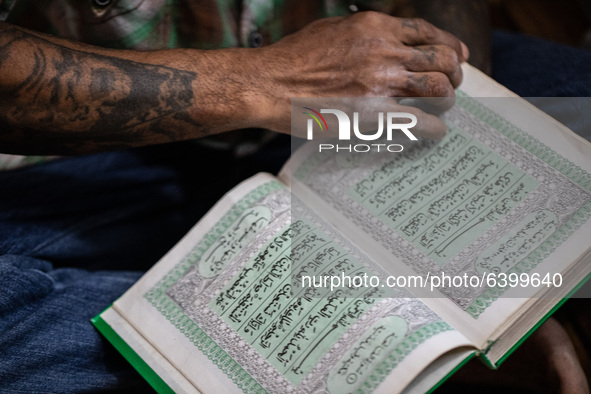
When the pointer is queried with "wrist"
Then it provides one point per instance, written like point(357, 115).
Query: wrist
point(232, 90)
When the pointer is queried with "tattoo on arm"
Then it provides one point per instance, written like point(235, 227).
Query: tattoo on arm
point(74, 101)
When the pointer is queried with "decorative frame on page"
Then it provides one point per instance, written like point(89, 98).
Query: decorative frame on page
point(446, 206)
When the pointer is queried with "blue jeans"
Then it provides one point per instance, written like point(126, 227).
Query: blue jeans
point(541, 70)
point(76, 233)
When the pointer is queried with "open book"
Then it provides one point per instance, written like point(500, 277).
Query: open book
point(248, 300)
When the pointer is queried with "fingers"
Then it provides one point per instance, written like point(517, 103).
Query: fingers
point(428, 126)
point(432, 50)
point(432, 105)
point(436, 58)
point(427, 84)
point(419, 32)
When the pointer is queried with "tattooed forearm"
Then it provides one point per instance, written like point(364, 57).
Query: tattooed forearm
point(73, 100)
point(79, 98)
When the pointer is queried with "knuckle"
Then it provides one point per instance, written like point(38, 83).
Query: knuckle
point(425, 28)
point(449, 59)
point(360, 24)
point(367, 17)
point(440, 86)
point(409, 57)
point(421, 22)
point(412, 86)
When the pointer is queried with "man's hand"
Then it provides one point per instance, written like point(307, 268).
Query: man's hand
point(366, 54)
point(60, 97)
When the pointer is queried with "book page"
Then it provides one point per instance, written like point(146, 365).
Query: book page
point(487, 199)
point(219, 306)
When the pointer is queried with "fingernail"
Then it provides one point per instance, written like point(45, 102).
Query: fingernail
point(465, 51)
